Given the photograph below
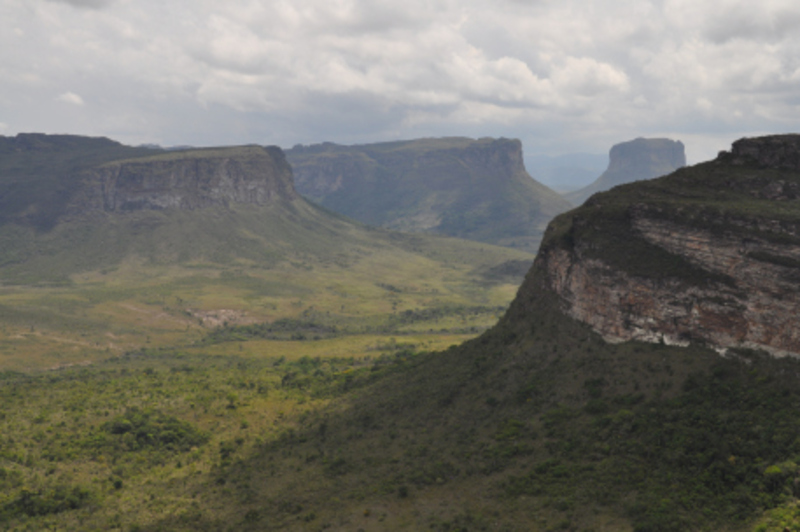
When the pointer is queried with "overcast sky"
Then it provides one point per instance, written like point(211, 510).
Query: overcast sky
point(561, 75)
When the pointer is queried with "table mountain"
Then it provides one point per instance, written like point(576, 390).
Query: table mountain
point(474, 189)
point(634, 160)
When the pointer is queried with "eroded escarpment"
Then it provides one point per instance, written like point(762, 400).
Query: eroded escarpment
point(188, 180)
point(683, 259)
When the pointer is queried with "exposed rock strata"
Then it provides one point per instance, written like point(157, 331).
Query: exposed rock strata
point(740, 283)
point(776, 151)
point(188, 180)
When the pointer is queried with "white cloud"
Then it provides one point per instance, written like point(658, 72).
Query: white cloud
point(70, 98)
point(91, 4)
point(567, 75)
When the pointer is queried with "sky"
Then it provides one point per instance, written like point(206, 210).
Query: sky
point(563, 76)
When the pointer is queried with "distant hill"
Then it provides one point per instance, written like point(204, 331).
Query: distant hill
point(634, 160)
point(74, 204)
point(40, 173)
point(473, 189)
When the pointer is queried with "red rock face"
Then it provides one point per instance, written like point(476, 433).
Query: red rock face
point(758, 308)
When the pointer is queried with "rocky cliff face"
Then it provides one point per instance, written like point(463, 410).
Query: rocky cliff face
point(635, 160)
point(709, 254)
point(475, 189)
point(187, 180)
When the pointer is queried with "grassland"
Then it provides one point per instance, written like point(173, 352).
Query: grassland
point(408, 285)
point(535, 426)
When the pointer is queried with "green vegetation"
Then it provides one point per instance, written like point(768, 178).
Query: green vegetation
point(536, 425)
point(307, 378)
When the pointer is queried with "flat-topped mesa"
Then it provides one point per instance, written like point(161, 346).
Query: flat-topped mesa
point(634, 160)
point(188, 180)
point(774, 151)
point(709, 254)
point(468, 188)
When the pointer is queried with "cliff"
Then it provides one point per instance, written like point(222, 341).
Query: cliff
point(635, 160)
point(709, 254)
point(187, 180)
point(474, 189)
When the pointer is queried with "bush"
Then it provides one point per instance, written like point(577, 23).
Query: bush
point(139, 429)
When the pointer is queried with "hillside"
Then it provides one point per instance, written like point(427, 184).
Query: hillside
point(635, 160)
point(154, 248)
point(473, 189)
point(40, 173)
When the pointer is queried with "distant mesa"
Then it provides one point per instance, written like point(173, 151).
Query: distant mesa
point(709, 254)
point(473, 189)
point(188, 180)
point(634, 160)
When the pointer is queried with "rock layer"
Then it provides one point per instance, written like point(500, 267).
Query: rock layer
point(710, 254)
point(188, 180)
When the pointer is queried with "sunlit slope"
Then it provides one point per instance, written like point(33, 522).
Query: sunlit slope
point(103, 280)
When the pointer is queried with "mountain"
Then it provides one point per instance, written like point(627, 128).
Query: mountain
point(95, 212)
point(40, 173)
point(119, 244)
point(473, 189)
point(634, 160)
point(708, 254)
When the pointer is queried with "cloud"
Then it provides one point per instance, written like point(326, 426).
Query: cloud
point(565, 76)
point(85, 4)
point(70, 98)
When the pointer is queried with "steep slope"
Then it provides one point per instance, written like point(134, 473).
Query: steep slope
point(158, 246)
point(40, 173)
point(634, 160)
point(708, 254)
point(473, 189)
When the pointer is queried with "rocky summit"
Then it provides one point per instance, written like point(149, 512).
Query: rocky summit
point(709, 254)
point(634, 160)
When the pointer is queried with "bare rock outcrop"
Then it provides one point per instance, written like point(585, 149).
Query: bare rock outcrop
point(709, 254)
point(188, 180)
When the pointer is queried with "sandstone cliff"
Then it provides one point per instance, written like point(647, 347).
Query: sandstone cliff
point(635, 160)
point(187, 180)
point(475, 189)
point(708, 254)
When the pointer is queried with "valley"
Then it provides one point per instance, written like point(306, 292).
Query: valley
point(189, 344)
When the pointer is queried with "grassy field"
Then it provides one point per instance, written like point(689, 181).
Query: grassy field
point(551, 431)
